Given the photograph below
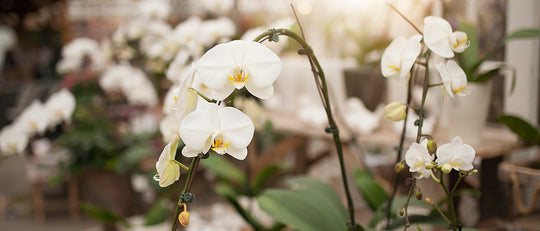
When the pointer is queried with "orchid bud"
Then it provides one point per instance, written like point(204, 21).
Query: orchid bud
point(432, 146)
point(429, 166)
point(419, 195)
point(183, 218)
point(399, 167)
point(446, 168)
point(428, 200)
point(401, 212)
point(394, 111)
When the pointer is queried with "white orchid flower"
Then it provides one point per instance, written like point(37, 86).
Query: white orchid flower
point(168, 126)
point(440, 39)
point(453, 78)
point(222, 129)
point(186, 97)
point(12, 140)
point(62, 105)
point(417, 158)
point(456, 155)
point(168, 170)
point(237, 64)
point(34, 119)
point(399, 57)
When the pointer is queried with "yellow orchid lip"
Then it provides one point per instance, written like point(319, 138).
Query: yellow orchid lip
point(395, 68)
point(240, 78)
point(460, 89)
point(219, 145)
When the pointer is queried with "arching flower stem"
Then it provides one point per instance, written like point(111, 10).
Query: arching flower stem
point(450, 203)
point(322, 88)
point(187, 186)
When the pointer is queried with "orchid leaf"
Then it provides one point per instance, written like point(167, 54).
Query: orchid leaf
point(371, 191)
point(527, 132)
point(223, 168)
point(527, 33)
point(468, 58)
point(310, 205)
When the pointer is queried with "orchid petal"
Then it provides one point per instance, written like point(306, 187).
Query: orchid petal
point(410, 53)
point(436, 36)
point(239, 154)
point(260, 92)
point(197, 128)
point(236, 126)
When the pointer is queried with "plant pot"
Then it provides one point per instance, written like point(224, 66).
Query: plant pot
point(466, 116)
point(366, 84)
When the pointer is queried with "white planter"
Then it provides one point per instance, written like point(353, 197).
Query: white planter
point(466, 115)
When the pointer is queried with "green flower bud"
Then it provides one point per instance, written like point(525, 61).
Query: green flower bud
point(402, 212)
point(431, 146)
point(394, 111)
point(446, 168)
point(399, 167)
point(419, 195)
point(429, 166)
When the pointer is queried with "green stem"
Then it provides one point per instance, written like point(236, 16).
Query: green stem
point(450, 203)
point(320, 79)
point(400, 150)
point(441, 212)
point(406, 19)
point(435, 84)
point(456, 184)
point(406, 210)
point(187, 187)
point(423, 102)
point(181, 165)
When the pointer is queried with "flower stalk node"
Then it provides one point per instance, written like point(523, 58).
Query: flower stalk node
point(187, 198)
point(305, 51)
point(203, 155)
point(419, 122)
point(410, 182)
point(274, 36)
point(331, 130)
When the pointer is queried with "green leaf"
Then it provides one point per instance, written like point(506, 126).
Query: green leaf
point(419, 219)
point(468, 58)
point(230, 195)
point(224, 169)
point(310, 206)
point(157, 214)
point(263, 176)
point(528, 133)
point(526, 33)
point(101, 214)
point(133, 156)
point(371, 191)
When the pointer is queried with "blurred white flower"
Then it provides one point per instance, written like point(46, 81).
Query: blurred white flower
point(223, 129)
point(168, 170)
point(237, 64)
point(253, 109)
point(79, 51)
point(217, 7)
point(12, 140)
point(168, 126)
point(456, 155)
point(155, 9)
point(359, 118)
point(187, 32)
point(453, 78)
point(417, 157)
point(34, 119)
point(144, 123)
point(216, 30)
point(311, 111)
point(399, 57)
point(178, 65)
point(440, 39)
point(8, 40)
point(131, 82)
point(61, 104)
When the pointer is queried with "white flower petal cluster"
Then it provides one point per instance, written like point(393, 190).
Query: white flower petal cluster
point(278, 47)
point(359, 118)
point(61, 104)
point(440, 39)
point(217, 7)
point(222, 129)
point(453, 77)
point(131, 82)
point(455, 155)
point(168, 170)
point(12, 140)
point(239, 64)
point(154, 9)
point(399, 57)
point(79, 53)
point(417, 158)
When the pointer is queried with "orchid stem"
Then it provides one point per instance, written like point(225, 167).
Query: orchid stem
point(181, 165)
point(440, 212)
point(435, 84)
point(406, 19)
point(187, 187)
point(322, 87)
point(450, 203)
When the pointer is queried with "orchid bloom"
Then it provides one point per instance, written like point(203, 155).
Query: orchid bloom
point(456, 155)
point(186, 98)
point(237, 64)
point(12, 140)
point(168, 170)
point(34, 119)
point(399, 57)
point(453, 78)
point(417, 157)
point(440, 39)
point(62, 105)
point(222, 129)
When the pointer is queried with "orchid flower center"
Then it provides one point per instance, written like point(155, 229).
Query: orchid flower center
point(393, 68)
point(239, 78)
point(460, 42)
point(219, 145)
point(459, 89)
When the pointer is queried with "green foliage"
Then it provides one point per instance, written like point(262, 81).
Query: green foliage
point(310, 206)
point(224, 169)
point(469, 57)
point(527, 33)
point(101, 214)
point(157, 214)
point(371, 191)
point(528, 133)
